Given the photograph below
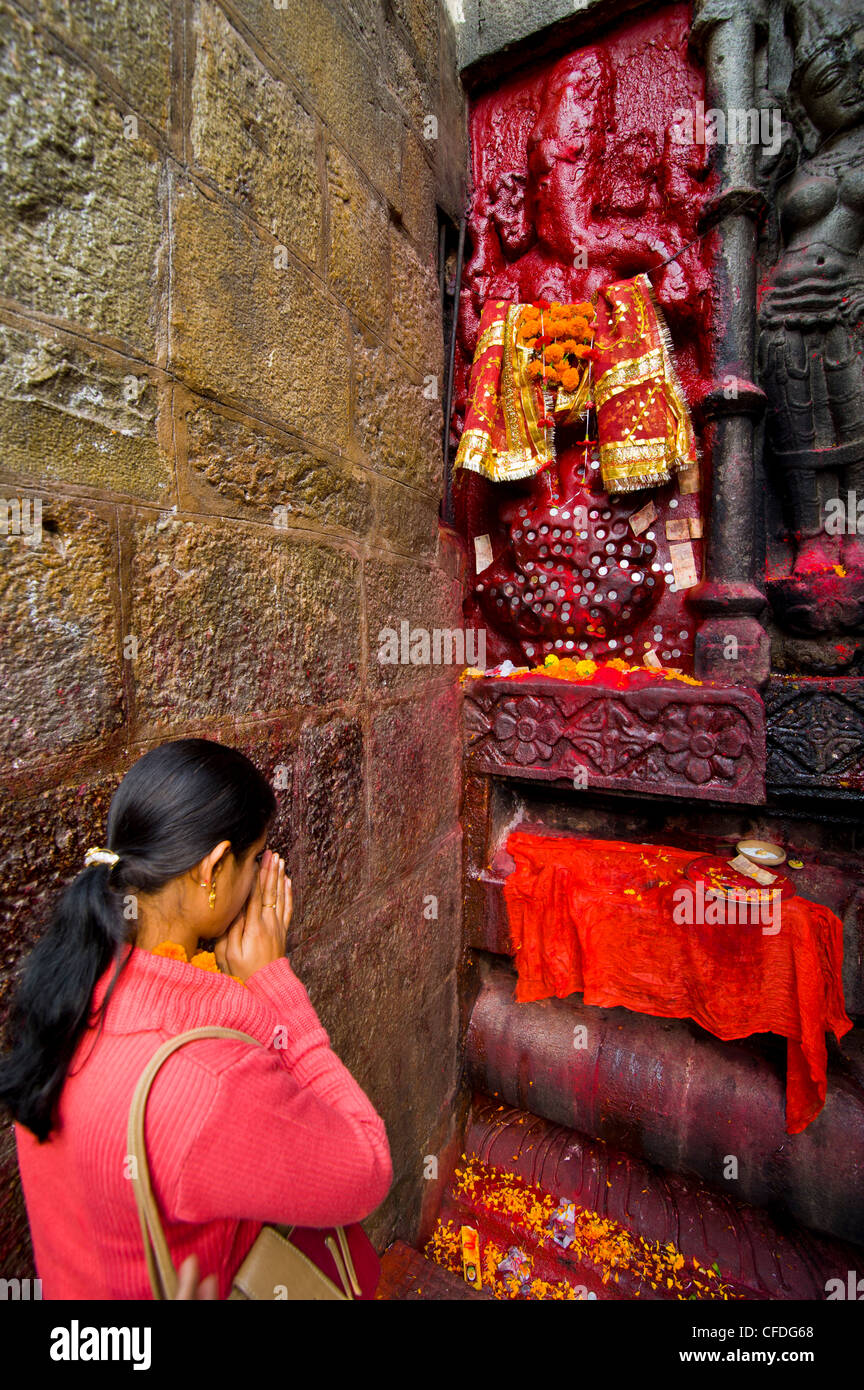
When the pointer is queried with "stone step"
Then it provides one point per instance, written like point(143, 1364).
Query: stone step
point(607, 1260)
point(407, 1276)
point(667, 1093)
point(759, 1258)
point(554, 1271)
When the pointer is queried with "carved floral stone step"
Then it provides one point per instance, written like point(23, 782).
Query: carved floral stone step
point(670, 739)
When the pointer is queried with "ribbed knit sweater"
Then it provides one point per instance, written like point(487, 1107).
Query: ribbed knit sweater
point(237, 1135)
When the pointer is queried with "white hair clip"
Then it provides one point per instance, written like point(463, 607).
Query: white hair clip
point(100, 856)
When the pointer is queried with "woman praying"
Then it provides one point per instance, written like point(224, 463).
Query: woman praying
point(237, 1135)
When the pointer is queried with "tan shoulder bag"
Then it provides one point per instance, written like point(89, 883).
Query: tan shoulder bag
point(273, 1263)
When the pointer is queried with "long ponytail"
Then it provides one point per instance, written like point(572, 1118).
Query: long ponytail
point(172, 807)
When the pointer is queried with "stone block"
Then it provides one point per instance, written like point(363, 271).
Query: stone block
point(69, 416)
point(365, 15)
point(414, 779)
point(408, 1066)
point(131, 39)
point(450, 150)
point(406, 599)
point(421, 20)
point(255, 471)
point(396, 1024)
point(409, 86)
point(331, 812)
point(251, 135)
point(234, 622)
point(673, 1095)
point(397, 426)
point(416, 312)
point(339, 77)
point(43, 840)
point(63, 680)
point(358, 269)
point(487, 29)
point(418, 197)
point(273, 750)
point(80, 217)
point(247, 326)
point(406, 520)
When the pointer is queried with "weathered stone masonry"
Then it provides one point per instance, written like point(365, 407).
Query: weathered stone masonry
point(219, 300)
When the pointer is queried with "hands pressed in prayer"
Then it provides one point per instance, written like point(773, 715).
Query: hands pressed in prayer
point(258, 934)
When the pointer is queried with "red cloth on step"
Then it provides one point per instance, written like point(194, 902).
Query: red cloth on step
point(597, 916)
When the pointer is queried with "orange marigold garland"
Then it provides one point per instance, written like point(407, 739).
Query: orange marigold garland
point(559, 337)
point(204, 960)
point(172, 949)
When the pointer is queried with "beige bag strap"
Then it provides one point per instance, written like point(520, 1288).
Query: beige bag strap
point(160, 1267)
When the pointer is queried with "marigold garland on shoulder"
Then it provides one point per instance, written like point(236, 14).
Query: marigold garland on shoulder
point(205, 960)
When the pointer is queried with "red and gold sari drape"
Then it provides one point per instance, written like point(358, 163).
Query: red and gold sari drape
point(643, 423)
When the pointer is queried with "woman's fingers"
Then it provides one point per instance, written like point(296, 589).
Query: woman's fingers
point(188, 1288)
point(229, 947)
point(281, 899)
point(273, 880)
point(268, 913)
point(258, 895)
point(187, 1279)
point(280, 890)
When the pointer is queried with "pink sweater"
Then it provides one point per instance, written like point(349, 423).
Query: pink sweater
point(237, 1135)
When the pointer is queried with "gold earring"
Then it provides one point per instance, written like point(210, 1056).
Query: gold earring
point(212, 897)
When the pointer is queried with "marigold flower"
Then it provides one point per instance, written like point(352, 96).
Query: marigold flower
point(205, 960)
point(570, 379)
point(172, 949)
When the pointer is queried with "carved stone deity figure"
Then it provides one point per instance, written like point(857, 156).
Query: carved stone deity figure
point(811, 331)
point(581, 181)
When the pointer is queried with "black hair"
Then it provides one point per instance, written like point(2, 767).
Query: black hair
point(173, 806)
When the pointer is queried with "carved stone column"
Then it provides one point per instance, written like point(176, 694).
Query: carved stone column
point(724, 34)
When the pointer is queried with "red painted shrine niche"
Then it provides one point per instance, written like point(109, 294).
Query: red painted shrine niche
point(583, 175)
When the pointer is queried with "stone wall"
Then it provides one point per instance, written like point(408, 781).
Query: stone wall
point(220, 321)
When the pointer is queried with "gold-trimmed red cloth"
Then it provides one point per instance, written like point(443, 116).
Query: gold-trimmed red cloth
point(503, 438)
point(643, 424)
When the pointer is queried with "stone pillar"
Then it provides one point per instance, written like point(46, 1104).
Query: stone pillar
point(724, 33)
